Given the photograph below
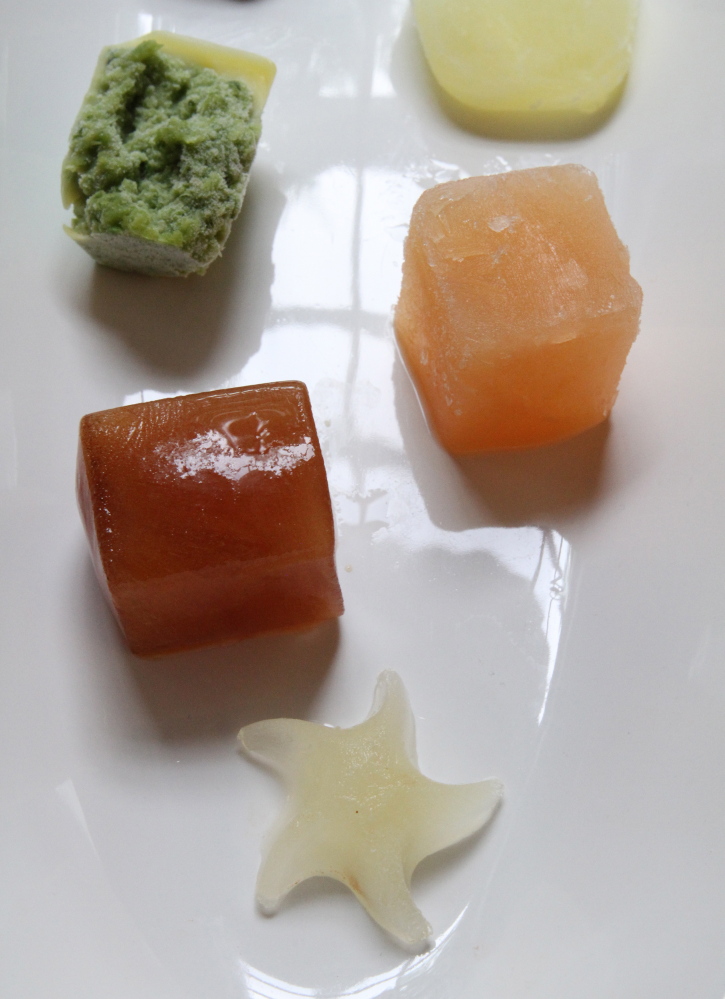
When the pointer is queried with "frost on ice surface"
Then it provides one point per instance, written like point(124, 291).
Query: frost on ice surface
point(212, 452)
point(501, 222)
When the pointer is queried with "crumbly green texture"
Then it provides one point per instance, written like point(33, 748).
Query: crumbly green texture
point(161, 150)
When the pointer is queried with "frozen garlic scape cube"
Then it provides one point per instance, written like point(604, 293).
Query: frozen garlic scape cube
point(160, 153)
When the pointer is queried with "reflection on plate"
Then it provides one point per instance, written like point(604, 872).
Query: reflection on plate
point(560, 610)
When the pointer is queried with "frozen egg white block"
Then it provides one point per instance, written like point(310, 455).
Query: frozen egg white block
point(360, 811)
point(517, 308)
point(160, 153)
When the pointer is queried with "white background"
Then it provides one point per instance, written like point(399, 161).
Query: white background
point(557, 616)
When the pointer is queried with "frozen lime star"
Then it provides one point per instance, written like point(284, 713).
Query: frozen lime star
point(360, 811)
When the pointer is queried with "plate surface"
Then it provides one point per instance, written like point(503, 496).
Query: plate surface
point(557, 616)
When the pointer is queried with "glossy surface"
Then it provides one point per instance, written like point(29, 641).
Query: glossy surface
point(517, 308)
point(559, 610)
point(209, 516)
point(527, 65)
point(360, 811)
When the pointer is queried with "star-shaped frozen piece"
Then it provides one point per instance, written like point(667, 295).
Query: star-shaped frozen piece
point(360, 811)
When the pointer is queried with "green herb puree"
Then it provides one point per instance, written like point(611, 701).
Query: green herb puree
point(161, 150)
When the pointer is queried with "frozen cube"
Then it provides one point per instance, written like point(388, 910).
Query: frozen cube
point(209, 516)
point(517, 308)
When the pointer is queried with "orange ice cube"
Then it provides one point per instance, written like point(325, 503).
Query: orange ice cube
point(209, 516)
point(517, 308)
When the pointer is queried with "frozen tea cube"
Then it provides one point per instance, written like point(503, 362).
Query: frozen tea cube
point(160, 153)
point(209, 516)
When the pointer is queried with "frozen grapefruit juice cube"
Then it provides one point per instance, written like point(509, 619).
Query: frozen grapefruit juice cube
point(517, 308)
point(209, 516)
point(521, 60)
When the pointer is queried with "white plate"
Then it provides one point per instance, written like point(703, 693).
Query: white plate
point(557, 616)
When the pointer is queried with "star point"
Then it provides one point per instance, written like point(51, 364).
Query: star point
point(360, 811)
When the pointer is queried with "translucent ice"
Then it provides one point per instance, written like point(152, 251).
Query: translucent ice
point(360, 811)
